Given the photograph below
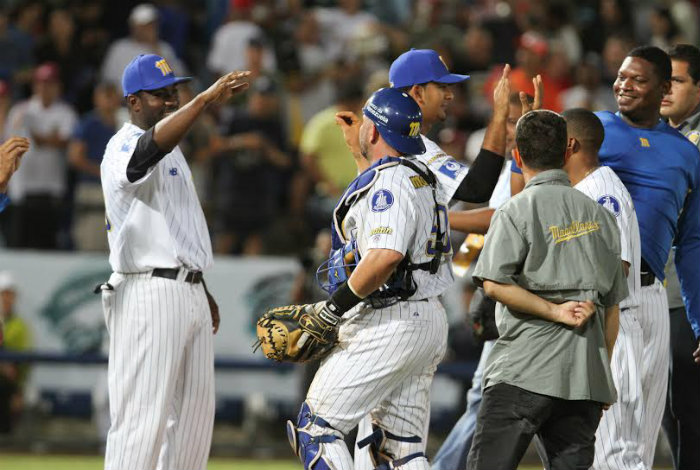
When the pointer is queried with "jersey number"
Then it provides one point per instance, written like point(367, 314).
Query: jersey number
point(446, 242)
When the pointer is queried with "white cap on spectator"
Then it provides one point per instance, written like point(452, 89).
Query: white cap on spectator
point(7, 282)
point(143, 14)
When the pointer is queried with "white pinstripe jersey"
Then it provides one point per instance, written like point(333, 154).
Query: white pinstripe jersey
point(448, 171)
point(604, 186)
point(157, 221)
point(398, 213)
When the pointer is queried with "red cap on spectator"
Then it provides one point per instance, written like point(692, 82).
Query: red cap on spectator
point(534, 42)
point(241, 4)
point(46, 72)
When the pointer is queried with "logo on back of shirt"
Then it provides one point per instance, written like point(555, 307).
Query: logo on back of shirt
point(610, 203)
point(451, 168)
point(575, 229)
point(173, 171)
point(382, 200)
point(644, 142)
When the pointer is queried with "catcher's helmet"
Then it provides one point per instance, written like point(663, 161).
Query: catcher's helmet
point(397, 118)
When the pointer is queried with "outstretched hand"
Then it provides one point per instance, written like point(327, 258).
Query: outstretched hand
point(574, 313)
point(539, 92)
point(225, 87)
point(501, 94)
point(10, 155)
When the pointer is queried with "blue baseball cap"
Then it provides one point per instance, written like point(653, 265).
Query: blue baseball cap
point(148, 72)
point(397, 117)
point(419, 66)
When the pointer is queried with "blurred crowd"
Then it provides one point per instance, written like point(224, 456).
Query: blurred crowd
point(270, 165)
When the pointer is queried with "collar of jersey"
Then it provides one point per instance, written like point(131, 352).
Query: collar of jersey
point(359, 186)
point(659, 125)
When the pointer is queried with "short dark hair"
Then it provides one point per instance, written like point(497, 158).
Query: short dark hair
point(585, 126)
point(540, 137)
point(691, 55)
point(657, 57)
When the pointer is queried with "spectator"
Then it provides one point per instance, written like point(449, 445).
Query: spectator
point(40, 183)
point(309, 81)
point(16, 57)
point(664, 31)
point(562, 31)
point(614, 52)
point(16, 337)
point(144, 39)
point(531, 58)
point(228, 47)
point(255, 157)
point(85, 152)
point(328, 164)
point(60, 45)
point(614, 17)
point(589, 91)
point(341, 25)
point(686, 16)
point(476, 53)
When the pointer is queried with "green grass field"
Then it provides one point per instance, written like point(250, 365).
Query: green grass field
point(54, 462)
point(81, 462)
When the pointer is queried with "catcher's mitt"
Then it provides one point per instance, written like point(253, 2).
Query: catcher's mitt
point(296, 333)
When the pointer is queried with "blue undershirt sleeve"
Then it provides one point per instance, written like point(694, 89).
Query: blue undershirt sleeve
point(687, 256)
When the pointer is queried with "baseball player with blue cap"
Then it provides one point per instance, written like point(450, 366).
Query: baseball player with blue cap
point(397, 120)
point(160, 316)
point(421, 66)
point(391, 327)
point(148, 72)
point(422, 74)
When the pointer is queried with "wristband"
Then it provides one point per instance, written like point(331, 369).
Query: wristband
point(343, 299)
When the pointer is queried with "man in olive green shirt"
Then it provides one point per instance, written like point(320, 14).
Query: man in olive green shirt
point(552, 261)
point(681, 423)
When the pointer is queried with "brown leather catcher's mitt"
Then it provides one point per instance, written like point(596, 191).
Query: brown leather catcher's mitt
point(295, 333)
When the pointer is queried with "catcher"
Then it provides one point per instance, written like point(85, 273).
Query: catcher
point(383, 330)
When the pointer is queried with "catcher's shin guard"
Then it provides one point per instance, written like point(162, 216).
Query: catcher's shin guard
point(383, 453)
point(308, 436)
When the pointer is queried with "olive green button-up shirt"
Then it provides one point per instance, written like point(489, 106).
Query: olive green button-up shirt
point(557, 243)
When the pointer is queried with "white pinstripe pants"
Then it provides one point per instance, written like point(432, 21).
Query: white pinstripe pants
point(627, 434)
point(160, 374)
point(383, 366)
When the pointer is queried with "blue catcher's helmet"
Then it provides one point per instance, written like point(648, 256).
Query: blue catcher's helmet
point(398, 118)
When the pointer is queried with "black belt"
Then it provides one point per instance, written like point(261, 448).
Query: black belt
point(193, 277)
point(646, 276)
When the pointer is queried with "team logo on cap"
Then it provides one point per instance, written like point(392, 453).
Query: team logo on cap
point(382, 200)
point(163, 66)
point(610, 203)
point(450, 168)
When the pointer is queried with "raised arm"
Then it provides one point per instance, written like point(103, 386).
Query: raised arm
point(477, 186)
point(169, 131)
